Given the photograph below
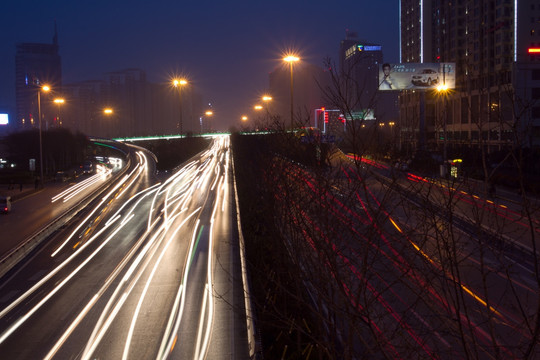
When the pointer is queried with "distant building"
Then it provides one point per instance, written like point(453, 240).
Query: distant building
point(83, 111)
point(309, 82)
point(497, 80)
point(139, 107)
point(125, 92)
point(35, 65)
point(359, 67)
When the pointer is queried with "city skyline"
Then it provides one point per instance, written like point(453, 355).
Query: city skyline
point(112, 37)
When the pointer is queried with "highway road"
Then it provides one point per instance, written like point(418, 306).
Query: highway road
point(149, 271)
point(417, 265)
point(31, 213)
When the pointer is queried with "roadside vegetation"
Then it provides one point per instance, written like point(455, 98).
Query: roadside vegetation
point(349, 260)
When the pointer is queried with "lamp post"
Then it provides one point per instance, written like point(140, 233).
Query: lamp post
point(266, 99)
point(178, 83)
point(58, 102)
point(107, 112)
point(442, 90)
point(208, 113)
point(44, 88)
point(291, 59)
point(392, 137)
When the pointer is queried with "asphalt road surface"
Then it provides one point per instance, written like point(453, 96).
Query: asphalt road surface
point(149, 271)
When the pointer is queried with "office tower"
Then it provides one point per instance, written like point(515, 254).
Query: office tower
point(493, 104)
point(35, 65)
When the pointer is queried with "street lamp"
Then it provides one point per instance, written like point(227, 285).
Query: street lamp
point(266, 99)
point(291, 59)
point(108, 112)
point(258, 107)
point(443, 90)
point(244, 118)
point(208, 113)
point(178, 83)
point(58, 102)
point(44, 88)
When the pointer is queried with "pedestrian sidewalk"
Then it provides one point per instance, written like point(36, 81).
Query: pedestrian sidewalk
point(506, 194)
point(17, 191)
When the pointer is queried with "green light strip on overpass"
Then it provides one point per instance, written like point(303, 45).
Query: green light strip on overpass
point(166, 137)
point(102, 144)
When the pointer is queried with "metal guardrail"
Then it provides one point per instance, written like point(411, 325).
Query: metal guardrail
point(17, 254)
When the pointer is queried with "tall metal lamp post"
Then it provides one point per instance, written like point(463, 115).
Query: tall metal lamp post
point(178, 83)
point(44, 88)
point(59, 102)
point(291, 59)
point(443, 90)
point(208, 114)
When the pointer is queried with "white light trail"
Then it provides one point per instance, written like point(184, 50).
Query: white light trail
point(176, 316)
point(103, 200)
point(71, 327)
point(46, 298)
point(147, 285)
point(77, 188)
point(47, 277)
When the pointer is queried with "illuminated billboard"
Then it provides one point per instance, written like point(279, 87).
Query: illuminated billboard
point(4, 119)
point(416, 76)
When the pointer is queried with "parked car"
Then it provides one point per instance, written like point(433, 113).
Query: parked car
point(426, 77)
point(61, 176)
point(5, 204)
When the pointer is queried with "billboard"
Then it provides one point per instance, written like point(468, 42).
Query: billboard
point(416, 76)
point(366, 114)
point(4, 120)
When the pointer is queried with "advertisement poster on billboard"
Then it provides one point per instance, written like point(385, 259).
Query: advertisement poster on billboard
point(410, 76)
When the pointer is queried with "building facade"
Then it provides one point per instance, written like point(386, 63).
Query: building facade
point(488, 40)
point(36, 65)
point(359, 70)
point(139, 107)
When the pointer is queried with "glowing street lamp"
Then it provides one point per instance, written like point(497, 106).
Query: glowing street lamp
point(291, 59)
point(178, 83)
point(58, 102)
point(258, 107)
point(443, 90)
point(44, 88)
point(244, 118)
point(107, 112)
point(266, 99)
point(208, 114)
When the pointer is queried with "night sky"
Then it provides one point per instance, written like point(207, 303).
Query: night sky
point(225, 48)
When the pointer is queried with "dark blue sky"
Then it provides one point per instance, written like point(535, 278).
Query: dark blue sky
point(226, 48)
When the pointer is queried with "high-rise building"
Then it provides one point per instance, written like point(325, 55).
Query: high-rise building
point(35, 65)
point(492, 105)
point(359, 71)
